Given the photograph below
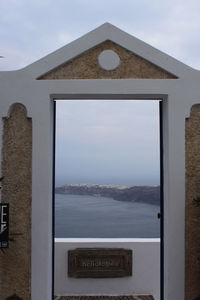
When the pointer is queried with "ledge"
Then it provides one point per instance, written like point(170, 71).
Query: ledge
point(107, 240)
point(124, 297)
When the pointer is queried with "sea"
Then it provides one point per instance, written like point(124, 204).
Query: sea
point(80, 216)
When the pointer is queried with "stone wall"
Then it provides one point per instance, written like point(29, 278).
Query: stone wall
point(192, 225)
point(86, 66)
point(15, 261)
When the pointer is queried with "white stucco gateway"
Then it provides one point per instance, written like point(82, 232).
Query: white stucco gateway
point(178, 95)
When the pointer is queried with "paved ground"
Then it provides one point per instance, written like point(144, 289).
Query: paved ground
point(128, 297)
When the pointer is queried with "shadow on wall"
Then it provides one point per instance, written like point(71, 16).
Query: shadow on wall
point(14, 297)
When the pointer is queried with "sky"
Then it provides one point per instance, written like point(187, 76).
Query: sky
point(29, 30)
point(107, 142)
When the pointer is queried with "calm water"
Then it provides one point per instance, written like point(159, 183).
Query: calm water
point(100, 217)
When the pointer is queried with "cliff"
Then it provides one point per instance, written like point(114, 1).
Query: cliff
point(145, 194)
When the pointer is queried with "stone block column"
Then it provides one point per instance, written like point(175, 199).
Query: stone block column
point(15, 261)
point(192, 224)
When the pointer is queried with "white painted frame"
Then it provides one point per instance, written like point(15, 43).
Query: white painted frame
point(178, 96)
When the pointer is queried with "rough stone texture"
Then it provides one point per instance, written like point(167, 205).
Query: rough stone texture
point(127, 297)
point(192, 225)
point(85, 66)
point(15, 262)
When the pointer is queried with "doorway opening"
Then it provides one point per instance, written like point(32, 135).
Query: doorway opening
point(108, 182)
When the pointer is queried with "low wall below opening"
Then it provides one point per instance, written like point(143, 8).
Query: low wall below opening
point(145, 279)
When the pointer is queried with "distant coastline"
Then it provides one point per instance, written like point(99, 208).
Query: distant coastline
point(144, 194)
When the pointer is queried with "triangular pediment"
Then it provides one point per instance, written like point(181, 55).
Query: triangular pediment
point(80, 59)
point(86, 66)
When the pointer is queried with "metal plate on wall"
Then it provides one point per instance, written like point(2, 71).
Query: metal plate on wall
point(99, 262)
point(4, 223)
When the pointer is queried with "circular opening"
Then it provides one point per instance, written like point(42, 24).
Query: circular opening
point(109, 60)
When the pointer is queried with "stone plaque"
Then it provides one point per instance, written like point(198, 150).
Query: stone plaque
point(99, 262)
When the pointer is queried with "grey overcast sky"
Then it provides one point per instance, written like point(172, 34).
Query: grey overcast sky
point(32, 29)
point(107, 142)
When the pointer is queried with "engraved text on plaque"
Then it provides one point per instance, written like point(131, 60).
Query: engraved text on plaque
point(99, 262)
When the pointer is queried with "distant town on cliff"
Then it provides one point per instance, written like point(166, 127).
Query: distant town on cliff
point(144, 194)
